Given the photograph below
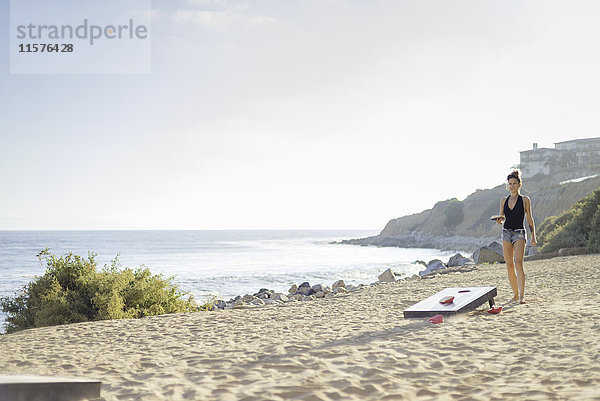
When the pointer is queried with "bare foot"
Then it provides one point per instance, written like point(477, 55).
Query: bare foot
point(511, 301)
point(522, 301)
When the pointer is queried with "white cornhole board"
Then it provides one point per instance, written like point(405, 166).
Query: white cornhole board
point(465, 299)
point(47, 388)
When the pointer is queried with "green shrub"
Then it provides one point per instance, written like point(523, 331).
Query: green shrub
point(73, 290)
point(454, 212)
point(579, 226)
point(593, 242)
point(209, 303)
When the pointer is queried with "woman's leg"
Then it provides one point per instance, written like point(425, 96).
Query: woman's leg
point(507, 249)
point(519, 250)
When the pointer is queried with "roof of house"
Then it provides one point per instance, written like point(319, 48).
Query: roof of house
point(541, 150)
point(597, 139)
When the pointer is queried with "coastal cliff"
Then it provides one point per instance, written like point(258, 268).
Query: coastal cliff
point(465, 225)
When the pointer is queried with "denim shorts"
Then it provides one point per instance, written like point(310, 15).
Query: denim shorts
point(513, 236)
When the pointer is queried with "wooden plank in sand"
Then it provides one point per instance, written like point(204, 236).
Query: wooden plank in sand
point(465, 299)
point(47, 388)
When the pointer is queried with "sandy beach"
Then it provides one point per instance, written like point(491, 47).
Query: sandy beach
point(355, 346)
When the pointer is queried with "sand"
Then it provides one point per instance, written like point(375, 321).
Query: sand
point(352, 347)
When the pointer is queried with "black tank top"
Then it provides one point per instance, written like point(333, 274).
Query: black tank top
point(514, 216)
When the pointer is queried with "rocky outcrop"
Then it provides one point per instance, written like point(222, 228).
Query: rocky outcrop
point(437, 228)
point(421, 240)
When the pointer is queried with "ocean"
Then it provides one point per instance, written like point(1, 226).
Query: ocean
point(222, 263)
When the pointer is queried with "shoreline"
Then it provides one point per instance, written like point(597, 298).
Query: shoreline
point(232, 291)
point(355, 346)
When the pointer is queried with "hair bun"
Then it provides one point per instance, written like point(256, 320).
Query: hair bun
point(514, 174)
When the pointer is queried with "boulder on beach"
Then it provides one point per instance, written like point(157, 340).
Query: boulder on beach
point(460, 260)
point(263, 294)
point(489, 254)
point(248, 298)
point(318, 288)
point(433, 265)
point(293, 289)
point(280, 297)
point(387, 276)
point(339, 283)
point(305, 290)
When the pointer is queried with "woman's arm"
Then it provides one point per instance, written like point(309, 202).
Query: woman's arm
point(501, 220)
point(530, 222)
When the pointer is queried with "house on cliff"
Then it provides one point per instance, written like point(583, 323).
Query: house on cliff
point(574, 158)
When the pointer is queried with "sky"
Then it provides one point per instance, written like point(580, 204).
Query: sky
point(299, 114)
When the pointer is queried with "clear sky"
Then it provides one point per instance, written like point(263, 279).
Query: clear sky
point(298, 114)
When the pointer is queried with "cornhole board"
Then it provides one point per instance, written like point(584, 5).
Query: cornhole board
point(47, 388)
point(465, 299)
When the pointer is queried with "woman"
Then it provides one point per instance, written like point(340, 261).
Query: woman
point(513, 210)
